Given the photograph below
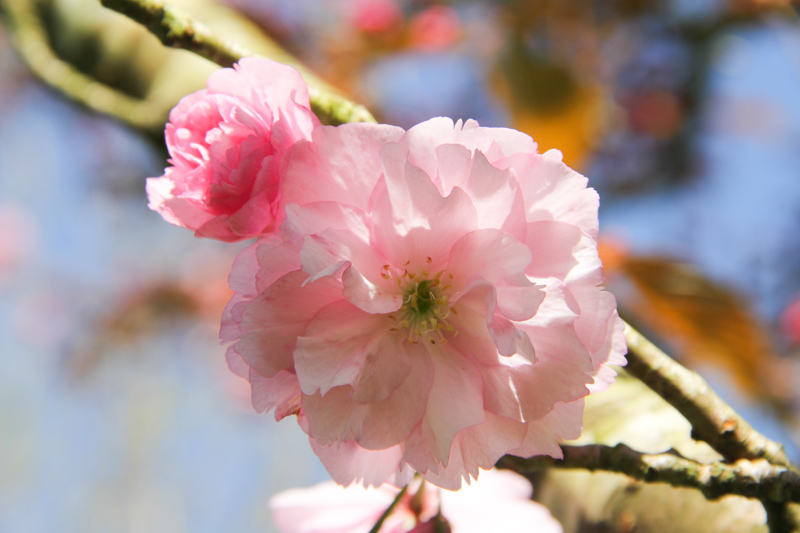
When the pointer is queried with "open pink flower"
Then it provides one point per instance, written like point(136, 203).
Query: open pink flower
point(430, 304)
point(500, 501)
point(227, 144)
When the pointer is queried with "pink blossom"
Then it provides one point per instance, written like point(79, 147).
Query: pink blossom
point(227, 144)
point(436, 28)
point(375, 16)
point(430, 304)
point(18, 237)
point(500, 501)
point(789, 321)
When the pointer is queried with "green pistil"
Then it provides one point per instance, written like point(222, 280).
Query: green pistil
point(422, 300)
point(425, 308)
point(424, 312)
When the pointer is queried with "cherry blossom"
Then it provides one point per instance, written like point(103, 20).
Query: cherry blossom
point(430, 303)
point(500, 501)
point(227, 144)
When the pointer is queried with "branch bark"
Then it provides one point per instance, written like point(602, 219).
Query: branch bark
point(178, 29)
point(713, 420)
point(752, 479)
point(31, 42)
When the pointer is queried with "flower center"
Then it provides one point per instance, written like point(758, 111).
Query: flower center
point(425, 305)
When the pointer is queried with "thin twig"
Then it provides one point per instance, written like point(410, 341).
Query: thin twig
point(30, 39)
point(751, 479)
point(388, 511)
point(712, 420)
point(178, 29)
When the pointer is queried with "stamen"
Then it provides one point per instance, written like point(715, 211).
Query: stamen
point(426, 305)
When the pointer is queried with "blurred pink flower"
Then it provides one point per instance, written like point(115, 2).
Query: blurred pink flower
point(789, 321)
point(436, 28)
point(500, 501)
point(375, 16)
point(430, 304)
point(19, 234)
point(227, 144)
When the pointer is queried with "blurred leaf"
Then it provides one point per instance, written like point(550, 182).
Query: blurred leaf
point(701, 322)
point(536, 83)
point(572, 130)
point(548, 103)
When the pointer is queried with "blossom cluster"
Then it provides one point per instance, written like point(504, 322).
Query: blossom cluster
point(423, 301)
point(500, 501)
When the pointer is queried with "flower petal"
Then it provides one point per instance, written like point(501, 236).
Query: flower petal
point(272, 322)
point(490, 253)
point(553, 191)
point(330, 508)
point(455, 402)
point(339, 164)
point(280, 392)
point(341, 343)
point(564, 422)
point(338, 416)
point(350, 463)
point(478, 446)
point(411, 220)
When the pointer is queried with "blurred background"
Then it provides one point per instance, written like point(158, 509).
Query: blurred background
point(117, 413)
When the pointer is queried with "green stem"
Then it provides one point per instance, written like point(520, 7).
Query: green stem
point(388, 511)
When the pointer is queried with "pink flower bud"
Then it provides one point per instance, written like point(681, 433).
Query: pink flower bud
point(227, 145)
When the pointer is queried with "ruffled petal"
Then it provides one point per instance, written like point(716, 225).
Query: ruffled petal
point(375, 425)
point(543, 437)
point(280, 392)
point(553, 191)
point(411, 221)
point(271, 323)
point(349, 463)
point(336, 346)
point(478, 447)
point(338, 164)
point(455, 402)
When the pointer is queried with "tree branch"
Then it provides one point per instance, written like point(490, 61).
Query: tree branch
point(178, 29)
point(751, 479)
point(30, 39)
point(782, 517)
point(712, 420)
